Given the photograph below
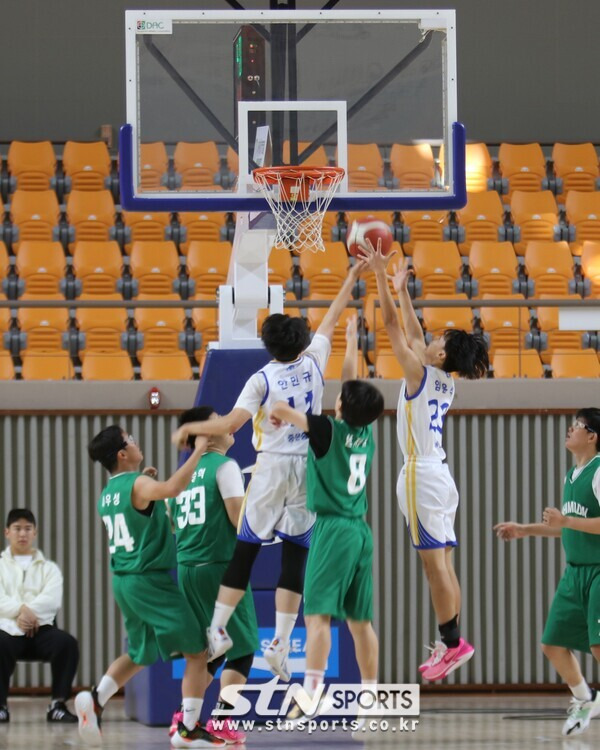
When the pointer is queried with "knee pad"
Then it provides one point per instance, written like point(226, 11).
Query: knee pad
point(237, 575)
point(243, 664)
point(213, 666)
point(293, 559)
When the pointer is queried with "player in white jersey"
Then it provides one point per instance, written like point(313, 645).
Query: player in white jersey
point(275, 502)
point(426, 491)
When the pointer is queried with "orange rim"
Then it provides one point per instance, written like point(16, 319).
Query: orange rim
point(297, 179)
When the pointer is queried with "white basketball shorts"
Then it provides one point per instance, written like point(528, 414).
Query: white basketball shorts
point(428, 499)
point(275, 502)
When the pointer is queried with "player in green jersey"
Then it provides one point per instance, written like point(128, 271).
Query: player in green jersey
point(205, 518)
point(158, 620)
point(338, 581)
point(573, 622)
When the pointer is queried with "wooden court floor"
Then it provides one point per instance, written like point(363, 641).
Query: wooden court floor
point(448, 722)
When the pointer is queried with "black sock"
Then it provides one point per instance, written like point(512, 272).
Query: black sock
point(449, 633)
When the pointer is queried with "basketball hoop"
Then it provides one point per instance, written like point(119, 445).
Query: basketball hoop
point(299, 198)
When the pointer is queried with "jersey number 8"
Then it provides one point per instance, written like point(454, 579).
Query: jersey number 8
point(358, 473)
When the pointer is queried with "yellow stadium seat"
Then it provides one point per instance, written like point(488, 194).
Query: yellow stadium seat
point(107, 366)
point(567, 364)
point(508, 363)
point(413, 165)
point(41, 266)
point(5, 317)
point(44, 326)
point(493, 266)
point(537, 216)
point(198, 164)
point(145, 227)
point(335, 364)
point(365, 166)
point(208, 265)
point(506, 326)
point(583, 215)
point(46, 365)
point(31, 165)
point(590, 265)
point(439, 319)
point(86, 164)
point(98, 266)
point(576, 164)
point(101, 327)
point(482, 219)
point(205, 320)
point(200, 227)
point(35, 214)
point(550, 266)
point(4, 262)
point(161, 366)
point(325, 272)
point(154, 165)
point(388, 367)
point(280, 267)
point(479, 166)
point(160, 326)
point(317, 159)
point(523, 165)
point(7, 370)
point(155, 267)
point(91, 214)
point(438, 266)
point(426, 226)
point(547, 318)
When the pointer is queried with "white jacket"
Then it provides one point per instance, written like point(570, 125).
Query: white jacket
point(40, 587)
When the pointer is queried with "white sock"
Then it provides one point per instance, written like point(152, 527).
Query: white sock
point(312, 679)
point(582, 691)
point(221, 615)
point(191, 711)
point(107, 687)
point(284, 624)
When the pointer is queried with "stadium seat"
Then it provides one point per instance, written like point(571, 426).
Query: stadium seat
point(233, 161)
point(160, 327)
point(550, 266)
point(44, 327)
point(365, 166)
point(437, 265)
point(91, 215)
point(107, 366)
point(87, 165)
point(5, 317)
point(280, 267)
point(46, 365)
point(145, 227)
point(198, 164)
point(100, 329)
point(335, 364)
point(388, 367)
point(154, 165)
point(32, 166)
point(200, 227)
point(413, 165)
point(317, 159)
point(35, 215)
point(583, 215)
point(523, 165)
point(508, 363)
point(205, 320)
point(536, 214)
point(7, 369)
point(590, 265)
point(506, 326)
point(482, 219)
point(162, 366)
point(4, 262)
point(547, 318)
point(155, 267)
point(316, 315)
point(98, 266)
point(576, 164)
point(425, 226)
point(41, 267)
point(567, 364)
point(479, 166)
point(493, 267)
point(438, 319)
point(324, 273)
point(208, 265)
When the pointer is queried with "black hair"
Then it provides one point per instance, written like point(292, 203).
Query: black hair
point(20, 514)
point(285, 338)
point(197, 414)
point(591, 414)
point(466, 354)
point(361, 403)
point(105, 446)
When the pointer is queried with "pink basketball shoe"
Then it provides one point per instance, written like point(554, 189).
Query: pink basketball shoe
point(226, 731)
point(177, 717)
point(448, 659)
point(435, 649)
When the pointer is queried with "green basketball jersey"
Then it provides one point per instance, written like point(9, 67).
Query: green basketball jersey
point(336, 482)
point(203, 530)
point(580, 501)
point(138, 541)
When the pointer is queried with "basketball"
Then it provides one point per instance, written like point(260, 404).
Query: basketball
point(369, 229)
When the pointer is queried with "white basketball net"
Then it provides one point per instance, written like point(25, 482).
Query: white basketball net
point(299, 223)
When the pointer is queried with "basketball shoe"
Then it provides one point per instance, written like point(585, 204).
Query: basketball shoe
point(446, 660)
point(89, 715)
point(276, 654)
point(176, 718)
point(224, 730)
point(580, 714)
point(434, 653)
point(196, 737)
point(218, 642)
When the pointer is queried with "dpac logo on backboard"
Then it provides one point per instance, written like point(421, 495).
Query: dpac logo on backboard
point(154, 26)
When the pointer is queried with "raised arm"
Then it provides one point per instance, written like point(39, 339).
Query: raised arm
point(283, 412)
point(412, 327)
point(350, 366)
point(338, 305)
point(224, 425)
point(508, 530)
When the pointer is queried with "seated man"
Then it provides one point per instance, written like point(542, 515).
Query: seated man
point(31, 590)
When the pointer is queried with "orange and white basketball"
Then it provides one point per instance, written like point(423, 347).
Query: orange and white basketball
point(372, 229)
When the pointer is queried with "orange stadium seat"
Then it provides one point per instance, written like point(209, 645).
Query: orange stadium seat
point(208, 265)
point(317, 159)
point(5, 316)
point(161, 366)
point(7, 369)
point(388, 367)
point(335, 364)
point(583, 215)
point(422, 226)
point(46, 365)
point(44, 327)
point(155, 267)
point(32, 166)
point(34, 214)
point(523, 165)
point(482, 219)
point(508, 363)
point(590, 265)
point(537, 216)
point(479, 166)
point(41, 266)
point(506, 326)
point(160, 327)
point(437, 266)
point(280, 267)
point(98, 266)
point(316, 315)
point(325, 272)
point(365, 166)
point(91, 215)
point(198, 164)
point(198, 226)
point(567, 364)
point(107, 366)
point(4, 262)
point(205, 320)
point(87, 165)
point(576, 164)
point(154, 165)
point(547, 318)
point(550, 266)
point(144, 227)
point(438, 319)
point(101, 329)
point(413, 165)
point(494, 267)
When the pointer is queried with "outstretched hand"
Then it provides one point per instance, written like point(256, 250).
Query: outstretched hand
point(508, 530)
point(356, 270)
point(351, 329)
point(401, 276)
point(374, 258)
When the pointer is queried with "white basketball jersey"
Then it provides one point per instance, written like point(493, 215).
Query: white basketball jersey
point(299, 383)
point(421, 416)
